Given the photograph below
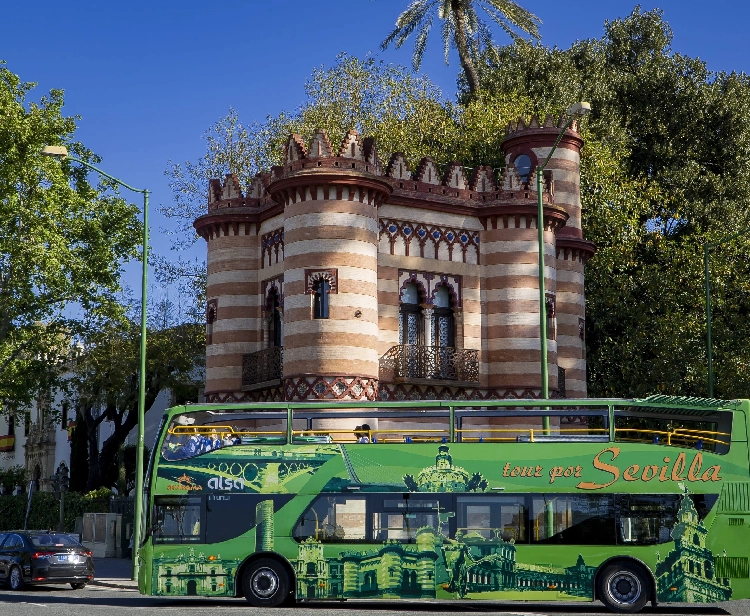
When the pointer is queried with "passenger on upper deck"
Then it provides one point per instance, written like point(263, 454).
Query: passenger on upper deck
point(362, 433)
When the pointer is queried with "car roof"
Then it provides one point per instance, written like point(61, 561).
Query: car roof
point(36, 532)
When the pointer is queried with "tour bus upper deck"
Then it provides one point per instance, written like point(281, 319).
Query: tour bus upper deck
point(709, 425)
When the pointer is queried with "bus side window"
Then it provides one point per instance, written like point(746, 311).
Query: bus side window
point(573, 519)
point(177, 519)
point(334, 519)
point(402, 517)
point(646, 519)
point(492, 516)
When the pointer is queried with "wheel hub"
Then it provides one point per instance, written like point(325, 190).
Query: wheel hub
point(265, 583)
point(625, 587)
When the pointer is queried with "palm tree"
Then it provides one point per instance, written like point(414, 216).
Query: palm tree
point(462, 28)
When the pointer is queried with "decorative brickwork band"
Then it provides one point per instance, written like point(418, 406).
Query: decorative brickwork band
point(331, 276)
point(386, 392)
point(272, 394)
point(390, 392)
point(331, 388)
point(422, 240)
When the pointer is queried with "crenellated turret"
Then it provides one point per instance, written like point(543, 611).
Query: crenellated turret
point(526, 146)
point(330, 266)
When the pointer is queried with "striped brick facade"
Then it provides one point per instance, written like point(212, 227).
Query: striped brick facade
point(460, 251)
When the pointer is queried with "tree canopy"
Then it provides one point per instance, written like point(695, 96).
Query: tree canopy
point(103, 384)
point(664, 170)
point(62, 242)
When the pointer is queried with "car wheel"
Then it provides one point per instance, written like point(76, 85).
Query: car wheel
point(77, 585)
point(624, 588)
point(265, 583)
point(16, 579)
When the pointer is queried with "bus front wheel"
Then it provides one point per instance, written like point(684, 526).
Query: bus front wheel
point(624, 588)
point(265, 583)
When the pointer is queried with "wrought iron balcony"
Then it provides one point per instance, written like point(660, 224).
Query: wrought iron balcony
point(412, 362)
point(262, 367)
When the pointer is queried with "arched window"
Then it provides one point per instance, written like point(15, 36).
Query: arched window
point(275, 338)
point(444, 328)
point(322, 290)
point(410, 321)
point(522, 163)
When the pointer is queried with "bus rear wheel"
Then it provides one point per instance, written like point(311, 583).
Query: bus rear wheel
point(265, 583)
point(624, 588)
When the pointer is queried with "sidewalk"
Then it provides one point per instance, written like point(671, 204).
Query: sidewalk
point(114, 573)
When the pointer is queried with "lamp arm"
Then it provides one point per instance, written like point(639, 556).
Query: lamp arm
point(726, 239)
point(106, 175)
point(557, 142)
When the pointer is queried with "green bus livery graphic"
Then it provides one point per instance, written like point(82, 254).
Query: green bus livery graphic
point(444, 519)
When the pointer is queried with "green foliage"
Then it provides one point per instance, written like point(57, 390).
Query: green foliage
point(105, 377)
point(12, 477)
point(62, 242)
point(45, 509)
point(664, 170)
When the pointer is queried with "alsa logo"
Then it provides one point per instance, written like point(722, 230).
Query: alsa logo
point(226, 483)
point(184, 483)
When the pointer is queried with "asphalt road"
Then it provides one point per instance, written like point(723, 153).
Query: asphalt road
point(100, 601)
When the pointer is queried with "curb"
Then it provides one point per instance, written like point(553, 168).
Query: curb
point(124, 584)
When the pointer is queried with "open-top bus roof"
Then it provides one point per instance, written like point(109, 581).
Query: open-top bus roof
point(659, 404)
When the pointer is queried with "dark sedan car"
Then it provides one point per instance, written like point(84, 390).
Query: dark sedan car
point(43, 557)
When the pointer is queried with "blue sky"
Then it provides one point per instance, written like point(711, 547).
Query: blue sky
point(149, 77)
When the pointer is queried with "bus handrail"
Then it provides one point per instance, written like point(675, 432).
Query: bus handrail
point(691, 434)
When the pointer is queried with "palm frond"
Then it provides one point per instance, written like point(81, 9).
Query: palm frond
point(508, 14)
point(408, 21)
point(448, 32)
point(420, 44)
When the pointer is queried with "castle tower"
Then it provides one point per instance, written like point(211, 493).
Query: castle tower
point(510, 255)
point(330, 202)
point(526, 147)
point(233, 328)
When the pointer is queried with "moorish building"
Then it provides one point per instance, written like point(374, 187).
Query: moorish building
point(336, 276)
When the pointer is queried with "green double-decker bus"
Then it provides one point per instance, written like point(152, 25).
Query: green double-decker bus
point(622, 501)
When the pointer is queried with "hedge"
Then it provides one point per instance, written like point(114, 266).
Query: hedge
point(45, 509)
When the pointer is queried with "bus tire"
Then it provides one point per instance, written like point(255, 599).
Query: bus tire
point(623, 587)
point(265, 583)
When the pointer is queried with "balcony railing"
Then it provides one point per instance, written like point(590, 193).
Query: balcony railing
point(262, 366)
point(412, 361)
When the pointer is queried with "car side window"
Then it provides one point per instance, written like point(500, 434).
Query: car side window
point(2, 538)
point(13, 542)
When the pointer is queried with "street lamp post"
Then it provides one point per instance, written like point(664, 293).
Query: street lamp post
point(61, 152)
point(576, 110)
point(709, 343)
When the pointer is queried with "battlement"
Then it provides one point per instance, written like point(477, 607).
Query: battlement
point(453, 184)
point(535, 124)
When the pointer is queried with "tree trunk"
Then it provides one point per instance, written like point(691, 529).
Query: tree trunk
point(79, 457)
point(463, 49)
point(95, 470)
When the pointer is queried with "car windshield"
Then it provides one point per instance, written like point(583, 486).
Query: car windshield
point(54, 541)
